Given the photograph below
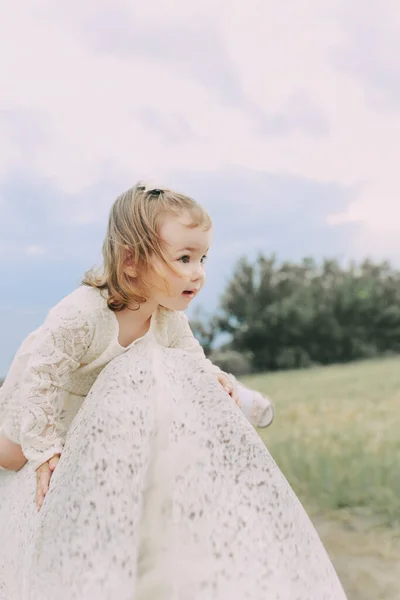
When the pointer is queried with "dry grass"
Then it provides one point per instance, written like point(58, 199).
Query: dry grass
point(337, 439)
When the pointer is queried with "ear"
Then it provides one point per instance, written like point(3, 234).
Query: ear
point(129, 266)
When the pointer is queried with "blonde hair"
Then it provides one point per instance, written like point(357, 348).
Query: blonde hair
point(133, 231)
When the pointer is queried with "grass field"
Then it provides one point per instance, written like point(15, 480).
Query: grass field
point(336, 437)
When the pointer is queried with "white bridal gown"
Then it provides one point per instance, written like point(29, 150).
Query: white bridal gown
point(164, 491)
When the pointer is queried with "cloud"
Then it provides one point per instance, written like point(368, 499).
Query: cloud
point(35, 249)
point(272, 213)
point(146, 89)
point(370, 52)
point(281, 117)
point(173, 128)
point(191, 47)
point(41, 220)
point(298, 114)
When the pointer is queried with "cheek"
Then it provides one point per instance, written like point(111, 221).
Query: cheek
point(156, 276)
point(180, 272)
point(175, 278)
point(179, 278)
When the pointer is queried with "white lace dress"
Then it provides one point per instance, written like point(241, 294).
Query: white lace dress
point(163, 491)
point(58, 363)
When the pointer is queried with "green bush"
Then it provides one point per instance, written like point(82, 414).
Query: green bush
point(293, 358)
point(231, 361)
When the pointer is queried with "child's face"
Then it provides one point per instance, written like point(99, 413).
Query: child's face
point(186, 249)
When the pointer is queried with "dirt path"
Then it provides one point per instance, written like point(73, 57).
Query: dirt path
point(366, 557)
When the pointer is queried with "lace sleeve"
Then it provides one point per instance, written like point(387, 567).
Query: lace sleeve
point(181, 336)
point(60, 344)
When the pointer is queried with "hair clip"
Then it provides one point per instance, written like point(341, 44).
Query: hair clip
point(141, 187)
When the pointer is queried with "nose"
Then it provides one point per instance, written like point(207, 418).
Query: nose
point(198, 272)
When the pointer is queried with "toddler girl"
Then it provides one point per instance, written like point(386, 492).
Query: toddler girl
point(154, 254)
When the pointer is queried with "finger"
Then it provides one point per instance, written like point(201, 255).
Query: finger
point(44, 482)
point(39, 498)
point(235, 398)
point(43, 488)
point(53, 462)
point(43, 477)
point(42, 474)
point(234, 395)
point(227, 385)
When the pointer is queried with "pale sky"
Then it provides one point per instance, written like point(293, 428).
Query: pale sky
point(282, 117)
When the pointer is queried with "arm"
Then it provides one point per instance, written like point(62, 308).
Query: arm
point(62, 341)
point(181, 336)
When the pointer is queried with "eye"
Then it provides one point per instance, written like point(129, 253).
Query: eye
point(203, 259)
point(185, 259)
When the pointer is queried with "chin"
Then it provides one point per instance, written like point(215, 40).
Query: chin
point(183, 304)
point(177, 304)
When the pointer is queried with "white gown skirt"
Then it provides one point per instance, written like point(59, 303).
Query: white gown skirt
point(164, 491)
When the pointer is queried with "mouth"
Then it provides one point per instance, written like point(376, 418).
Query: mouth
point(190, 293)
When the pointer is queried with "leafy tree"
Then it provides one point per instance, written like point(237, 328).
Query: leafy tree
point(293, 315)
point(205, 329)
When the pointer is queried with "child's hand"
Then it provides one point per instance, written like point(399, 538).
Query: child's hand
point(43, 476)
point(229, 386)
